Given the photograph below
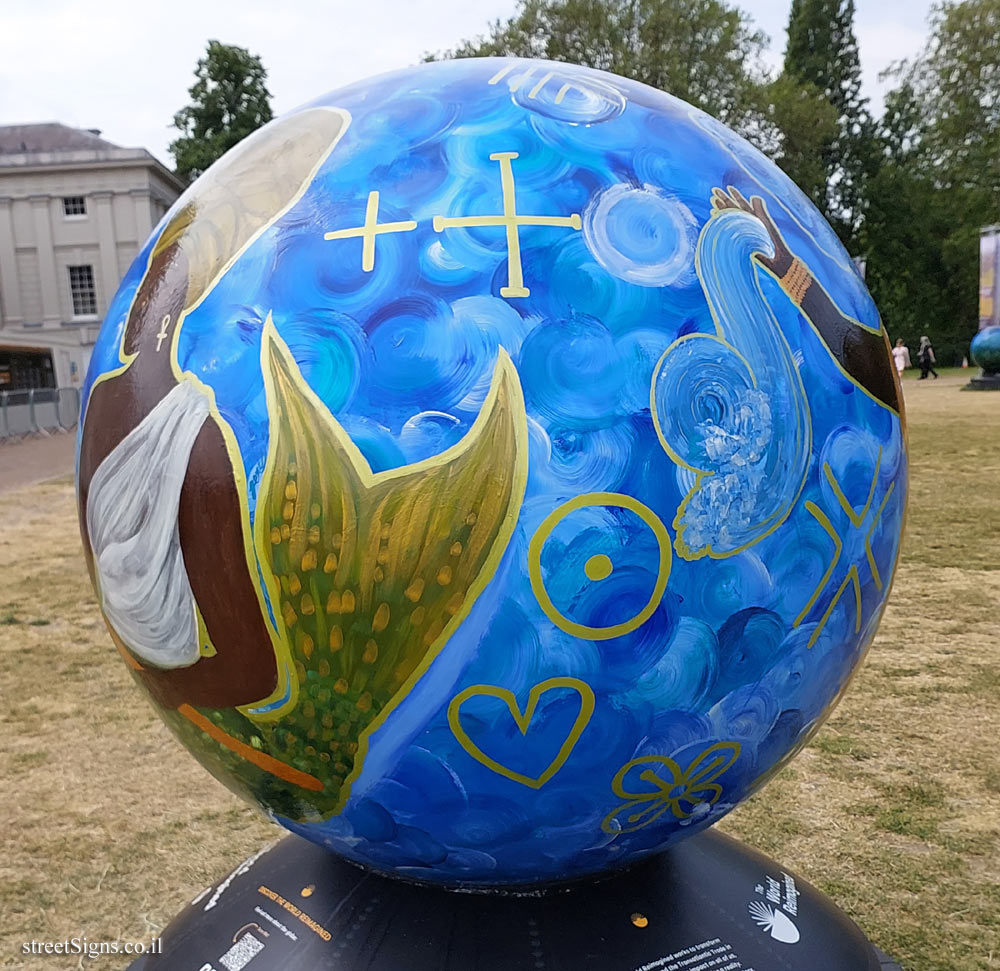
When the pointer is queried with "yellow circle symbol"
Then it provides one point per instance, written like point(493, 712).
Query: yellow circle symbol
point(598, 567)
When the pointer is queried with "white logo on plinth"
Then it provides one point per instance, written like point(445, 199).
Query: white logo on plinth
point(776, 922)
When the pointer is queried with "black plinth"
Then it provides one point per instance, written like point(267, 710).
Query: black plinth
point(710, 904)
point(984, 382)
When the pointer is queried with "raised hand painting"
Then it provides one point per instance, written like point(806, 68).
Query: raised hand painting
point(856, 347)
point(730, 407)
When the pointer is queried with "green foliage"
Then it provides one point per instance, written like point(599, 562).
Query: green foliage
point(957, 83)
point(939, 180)
point(700, 50)
point(799, 128)
point(229, 100)
point(904, 230)
point(903, 235)
point(822, 52)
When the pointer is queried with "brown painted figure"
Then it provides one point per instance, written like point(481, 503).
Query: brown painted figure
point(154, 456)
point(862, 353)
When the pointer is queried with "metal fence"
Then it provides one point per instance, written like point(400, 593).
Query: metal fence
point(38, 411)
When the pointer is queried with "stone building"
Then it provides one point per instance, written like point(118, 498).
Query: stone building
point(74, 211)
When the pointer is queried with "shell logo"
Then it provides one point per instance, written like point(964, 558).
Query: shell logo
point(775, 922)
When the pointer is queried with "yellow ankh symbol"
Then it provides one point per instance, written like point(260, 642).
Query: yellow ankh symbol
point(511, 221)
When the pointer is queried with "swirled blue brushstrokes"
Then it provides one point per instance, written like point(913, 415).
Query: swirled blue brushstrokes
point(749, 402)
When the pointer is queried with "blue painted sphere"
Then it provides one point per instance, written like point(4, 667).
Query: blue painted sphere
point(493, 469)
point(986, 349)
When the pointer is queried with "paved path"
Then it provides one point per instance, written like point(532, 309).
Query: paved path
point(35, 459)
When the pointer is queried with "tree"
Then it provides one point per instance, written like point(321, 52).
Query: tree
point(939, 181)
point(906, 224)
point(822, 52)
point(700, 50)
point(228, 101)
point(956, 84)
point(798, 129)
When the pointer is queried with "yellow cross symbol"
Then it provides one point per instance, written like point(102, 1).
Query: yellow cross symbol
point(370, 230)
point(511, 221)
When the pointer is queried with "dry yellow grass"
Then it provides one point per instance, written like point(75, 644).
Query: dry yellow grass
point(109, 827)
point(894, 809)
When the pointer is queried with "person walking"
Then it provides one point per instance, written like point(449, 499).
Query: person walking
point(901, 355)
point(926, 358)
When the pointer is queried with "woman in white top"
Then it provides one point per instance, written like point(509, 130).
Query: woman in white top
point(901, 354)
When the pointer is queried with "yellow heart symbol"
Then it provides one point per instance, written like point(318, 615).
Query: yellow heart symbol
point(523, 720)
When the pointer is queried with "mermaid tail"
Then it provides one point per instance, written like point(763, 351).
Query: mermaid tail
point(368, 573)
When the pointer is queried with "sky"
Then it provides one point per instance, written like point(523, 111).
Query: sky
point(125, 67)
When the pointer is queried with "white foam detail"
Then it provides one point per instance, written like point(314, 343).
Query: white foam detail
point(132, 524)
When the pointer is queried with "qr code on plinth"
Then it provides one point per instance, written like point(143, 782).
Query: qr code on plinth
point(241, 953)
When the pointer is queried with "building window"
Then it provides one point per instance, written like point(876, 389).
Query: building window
point(74, 206)
point(81, 286)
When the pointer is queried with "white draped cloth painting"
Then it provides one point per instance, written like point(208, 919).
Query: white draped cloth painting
point(132, 523)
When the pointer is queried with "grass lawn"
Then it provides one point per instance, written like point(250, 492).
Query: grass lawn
point(109, 827)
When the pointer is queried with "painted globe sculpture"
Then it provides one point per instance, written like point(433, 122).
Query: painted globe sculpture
point(494, 470)
point(986, 350)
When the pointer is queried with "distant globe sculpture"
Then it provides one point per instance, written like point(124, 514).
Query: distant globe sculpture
point(494, 470)
point(986, 350)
